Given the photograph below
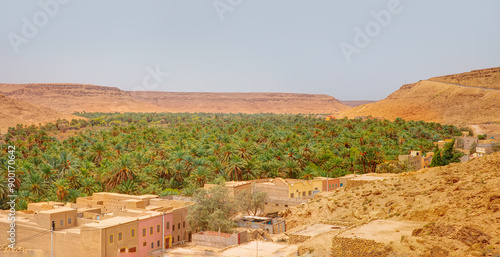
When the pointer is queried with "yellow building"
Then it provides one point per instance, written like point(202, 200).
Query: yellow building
point(303, 189)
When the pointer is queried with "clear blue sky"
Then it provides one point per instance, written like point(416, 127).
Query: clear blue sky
point(258, 46)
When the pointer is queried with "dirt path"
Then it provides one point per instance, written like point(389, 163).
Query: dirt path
point(464, 85)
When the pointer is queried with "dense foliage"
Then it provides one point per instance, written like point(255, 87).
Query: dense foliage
point(164, 153)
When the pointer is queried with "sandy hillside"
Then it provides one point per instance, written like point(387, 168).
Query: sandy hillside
point(443, 211)
point(69, 98)
point(17, 112)
point(242, 102)
point(441, 102)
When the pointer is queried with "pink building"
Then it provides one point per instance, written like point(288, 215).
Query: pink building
point(149, 234)
point(168, 230)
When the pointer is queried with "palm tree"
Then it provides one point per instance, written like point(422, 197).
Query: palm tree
point(61, 187)
point(89, 186)
point(35, 183)
point(128, 187)
point(123, 170)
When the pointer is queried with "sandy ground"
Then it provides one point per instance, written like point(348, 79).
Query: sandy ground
point(383, 231)
point(264, 249)
point(314, 230)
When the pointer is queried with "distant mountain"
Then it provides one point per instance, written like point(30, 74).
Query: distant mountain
point(242, 102)
point(471, 97)
point(354, 103)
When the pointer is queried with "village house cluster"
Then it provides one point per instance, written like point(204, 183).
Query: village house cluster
point(111, 224)
point(104, 224)
point(471, 146)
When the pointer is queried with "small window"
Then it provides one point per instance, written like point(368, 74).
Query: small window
point(173, 239)
point(111, 239)
point(341, 184)
point(122, 250)
point(69, 220)
point(143, 232)
point(315, 188)
point(286, 205)
point(173, 227)
point(144, 243)
point(158, 243)
point(168, 225)
point(152, 245)
point(304, 193)
point(291, 195)
point(178, 238)
point(132, 250)
point(120, 236)
point(309, 193)
point(158, 228)
point(62, 223)
point(151, 230)
point(132, 232)
point(183, 224)
point(179, 226)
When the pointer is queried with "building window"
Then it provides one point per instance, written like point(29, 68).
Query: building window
point(304, 193)
point(132, 232)
point(151, 230)
point(111, 239)
point(158, 228)
point(69, 221)
point(152, 245)
point(173, 227)
point(286, 205)
point(291, 195)
point(144, 243)
point(122, 250)
point(309, 193)
point(183, 224)
point(277, 204)
point(132, 250)
point(179, 226)
point(120, 236)
point(178, 238)
point(315, 188)
point(158, 243)
point(143, 232)
point(173, 240)
point(62, 223)
point(168, 225)
point(341, 184)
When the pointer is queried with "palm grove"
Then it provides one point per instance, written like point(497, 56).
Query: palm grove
point(167, 153)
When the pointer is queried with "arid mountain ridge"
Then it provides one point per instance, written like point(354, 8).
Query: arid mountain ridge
point(466, 98)
point(439, 99)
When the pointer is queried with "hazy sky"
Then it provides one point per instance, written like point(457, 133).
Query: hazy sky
point(298, 46)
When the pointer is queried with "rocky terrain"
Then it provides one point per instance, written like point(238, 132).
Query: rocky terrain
point(446, 211)
point(15, 112)
point(242, 102)
point(434, 101)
